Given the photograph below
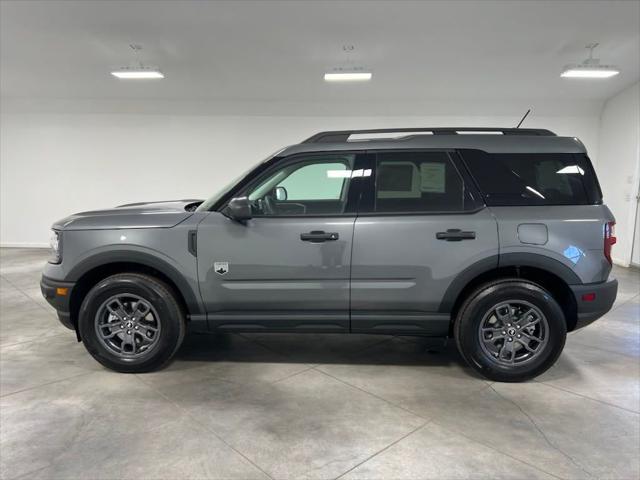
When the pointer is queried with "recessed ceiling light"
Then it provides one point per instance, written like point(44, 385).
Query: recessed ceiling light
point(137, 73)
point(590, 68)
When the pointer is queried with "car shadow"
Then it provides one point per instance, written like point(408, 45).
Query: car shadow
point(357, 349)
point(334, 349)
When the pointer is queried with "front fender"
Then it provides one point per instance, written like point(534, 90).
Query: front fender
point(133, 254)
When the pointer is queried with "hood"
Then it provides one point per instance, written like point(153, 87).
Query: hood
point(164, 214)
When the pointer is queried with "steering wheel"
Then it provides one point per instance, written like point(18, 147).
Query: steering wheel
point(269, 204)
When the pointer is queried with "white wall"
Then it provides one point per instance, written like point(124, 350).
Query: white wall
point(52, 165)
point(618, 165)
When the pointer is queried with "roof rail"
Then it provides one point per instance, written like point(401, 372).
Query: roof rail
point(340, 136)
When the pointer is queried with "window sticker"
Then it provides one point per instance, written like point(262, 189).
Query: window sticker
point(398, 180)
point(432, 177)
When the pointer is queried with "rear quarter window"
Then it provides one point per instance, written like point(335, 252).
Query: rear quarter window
point(533, 178)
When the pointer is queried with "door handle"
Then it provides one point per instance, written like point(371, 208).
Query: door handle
point(455, 235)
point(318, 236)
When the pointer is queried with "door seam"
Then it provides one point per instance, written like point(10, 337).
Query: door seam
point(353, 241)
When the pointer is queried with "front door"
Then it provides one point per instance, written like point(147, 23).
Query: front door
point(288, 267)
point(419, 227)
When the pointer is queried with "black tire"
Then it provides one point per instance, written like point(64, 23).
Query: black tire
point(481, 302)
point(163, 301)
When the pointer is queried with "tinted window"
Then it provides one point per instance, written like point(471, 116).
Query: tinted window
point(533, 179)
point(316, 181)
point(418, 182)
point(311, 186)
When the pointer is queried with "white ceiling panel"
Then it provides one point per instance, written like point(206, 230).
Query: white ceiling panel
point(270, 56)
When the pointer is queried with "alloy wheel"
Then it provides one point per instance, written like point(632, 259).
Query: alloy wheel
point(513, 332)
point(127, 325)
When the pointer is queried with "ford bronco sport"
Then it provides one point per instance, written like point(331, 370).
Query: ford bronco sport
point(497, 238)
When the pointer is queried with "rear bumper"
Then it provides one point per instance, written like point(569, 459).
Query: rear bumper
point(61, 302)
point(590, 311)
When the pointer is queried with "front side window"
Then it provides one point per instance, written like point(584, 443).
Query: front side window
point(418, 182)
point(316, 185)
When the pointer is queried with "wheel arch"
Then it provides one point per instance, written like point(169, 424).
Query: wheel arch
point(89, 272)
point(547, 272)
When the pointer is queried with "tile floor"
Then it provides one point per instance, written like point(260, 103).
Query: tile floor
point(310, 406)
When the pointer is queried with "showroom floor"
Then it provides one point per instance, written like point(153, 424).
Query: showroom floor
point(310, 406)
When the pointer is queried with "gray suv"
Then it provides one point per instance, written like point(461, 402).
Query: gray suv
point(497, 238)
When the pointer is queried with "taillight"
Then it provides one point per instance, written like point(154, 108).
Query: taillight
point(609, 239)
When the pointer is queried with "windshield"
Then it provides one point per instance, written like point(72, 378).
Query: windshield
point(211, 201)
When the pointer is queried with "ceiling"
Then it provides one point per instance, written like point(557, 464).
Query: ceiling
point(269, 56)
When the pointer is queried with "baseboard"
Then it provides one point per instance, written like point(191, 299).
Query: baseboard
point(620, 263)
point(23, 245)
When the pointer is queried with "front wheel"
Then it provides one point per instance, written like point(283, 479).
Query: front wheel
point(510, 330)
point(131, 323)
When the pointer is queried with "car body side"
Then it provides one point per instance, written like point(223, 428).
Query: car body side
point(559, 247)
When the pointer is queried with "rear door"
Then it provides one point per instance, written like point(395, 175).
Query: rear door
point(420, 226)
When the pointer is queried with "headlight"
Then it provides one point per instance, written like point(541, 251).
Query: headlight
point(56, 247)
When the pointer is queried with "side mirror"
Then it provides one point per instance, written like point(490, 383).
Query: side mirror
point(239, 209)
point(281, 194)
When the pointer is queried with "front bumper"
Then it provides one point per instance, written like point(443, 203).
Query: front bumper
point(589, 311)
point(58, 294)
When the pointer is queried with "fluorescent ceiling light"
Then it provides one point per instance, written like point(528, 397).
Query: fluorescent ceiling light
point(339, 173)
point(571, 169)
point(590, 68)
point(137, 74)
point(349, 173)
point(581, 71)
point(347, 76)
point(531, 189)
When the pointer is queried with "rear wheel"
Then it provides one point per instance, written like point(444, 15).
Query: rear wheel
point(131, 323)
point(510, 330)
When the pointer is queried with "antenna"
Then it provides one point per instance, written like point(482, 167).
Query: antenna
point(525, 116)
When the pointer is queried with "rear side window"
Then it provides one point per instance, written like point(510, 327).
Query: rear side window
point(534, 179)
point(418, 182)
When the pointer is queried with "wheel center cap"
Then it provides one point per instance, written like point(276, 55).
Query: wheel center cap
point(129, 324)
point(511, 331)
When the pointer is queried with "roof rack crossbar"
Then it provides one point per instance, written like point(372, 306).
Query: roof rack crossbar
point(340, 136)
